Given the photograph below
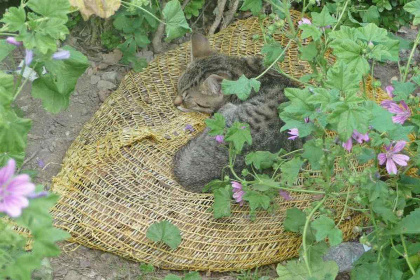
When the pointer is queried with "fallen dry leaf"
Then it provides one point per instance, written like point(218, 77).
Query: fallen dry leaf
point(101, 8)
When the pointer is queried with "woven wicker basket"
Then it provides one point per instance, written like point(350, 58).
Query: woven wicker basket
point(117, 178)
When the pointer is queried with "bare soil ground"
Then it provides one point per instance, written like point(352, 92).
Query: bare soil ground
point(50, 137)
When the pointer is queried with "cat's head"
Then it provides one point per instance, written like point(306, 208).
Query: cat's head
point(199, 87)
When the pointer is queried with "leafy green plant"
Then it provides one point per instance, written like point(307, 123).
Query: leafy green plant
point(164, 232)
point(188, 276)
point(332, 100)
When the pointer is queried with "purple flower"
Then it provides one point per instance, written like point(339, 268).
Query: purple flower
point(402, 111)
point(29, 55)
point(189, 128)
point(304, 21)
point(13, 41)
point(14, 190)
point(348, 145)
point(390, 90)
point(307, 120)
point(391, 157)
point(61, 55)
point(294, 132)
point(220, 139)
point(41, 163)
point(285, 194)
point(238, 192)
point(243, 127)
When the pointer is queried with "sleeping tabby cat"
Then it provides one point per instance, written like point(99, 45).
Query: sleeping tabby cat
point(199, 89)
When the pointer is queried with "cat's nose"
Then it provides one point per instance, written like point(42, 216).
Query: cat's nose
point(178, 101)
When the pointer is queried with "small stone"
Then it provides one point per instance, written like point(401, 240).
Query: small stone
point(103, 94)
point(73, 275)
point(90, 71)
point(110, 76)
point(24, 108)
point(94, 79)
point(106, 85)
point(67, 133)
point(167, 137)
point(112, 57)
point(148, 55)
point(84, 112)
point(395, 78)
point(75, 93)
point(103, 66)
point(345, 254)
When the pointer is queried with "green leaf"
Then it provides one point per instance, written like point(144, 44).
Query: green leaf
point(323, 97)
point(146, 268)
point(13, 132)
point(271, 52)
point(410, 224)
point(403, 90)
point(345, 32)
point(193, 8)
point(176, 24)
point(416, 79)
point(290, 170)
point(400, 133)
point(414, 8)
point(55, 87)
point(308, 52)
point(215, 184)
point(241, 88)
point(316, 251)
point(381, 119)
point(295, 220)
point(5, 49)
point(323, 19)
point(239, 134)
point(254, 6)
point(366, 155)
point(384, 211)
point(5, 156)
point(298, 101)
point(165, 232)
point(50, 9)
point(351, 53)
point(309, 30)
point(324, 228)
point(15, 19)
point(340, 77)
point(256, 200)
point(352, 119)
point(221, 206)
point(172, 277)
point(367, 271)
point(372, 33)
point(6, 89)
point(216, 124)
point(313, 153)
point(192, 276)
point(261, 159)
point(297, 270)
point(371, 15)
point(141, 39)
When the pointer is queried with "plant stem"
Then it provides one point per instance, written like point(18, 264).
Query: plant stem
point(305, 229)
point(411, 56)
point(406, 253)
point(341, 15)
point(275, 61)
point(144, 10)
point(345, 207)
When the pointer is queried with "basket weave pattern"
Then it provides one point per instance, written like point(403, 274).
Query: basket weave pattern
point(117, 178)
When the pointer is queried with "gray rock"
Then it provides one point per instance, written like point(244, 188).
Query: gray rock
point(94, 79)
point(345, 254)
point(73, 275)
point(103, 94)
point(106, 85)
point(148, 55)
point(110, 76)
point(45, 272)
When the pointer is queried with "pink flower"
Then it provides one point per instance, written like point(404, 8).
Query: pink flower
point(29, 55)
point(189, 127)
point(391, 157)
point(390, 90)
point(238, 192)
point(402, 111)
point(294, 132)
point(304, 21)
point(285, 194)
point(13, 41)
point(348, 145)
point(220, 139)
point(14, 190)
point(60, 55)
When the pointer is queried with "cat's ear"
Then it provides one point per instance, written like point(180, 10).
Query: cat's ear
point(214, 84)
point(200, 46)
